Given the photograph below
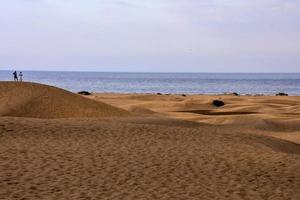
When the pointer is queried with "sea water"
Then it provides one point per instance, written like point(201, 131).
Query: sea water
point(177, 83)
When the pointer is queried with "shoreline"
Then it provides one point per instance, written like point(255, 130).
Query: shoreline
point(190, 94)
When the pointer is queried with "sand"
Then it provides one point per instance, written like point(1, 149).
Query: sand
point(41, 101)
point(268, 115)
point(163, 147)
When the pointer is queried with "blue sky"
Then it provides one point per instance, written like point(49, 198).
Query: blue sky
point(151, 35)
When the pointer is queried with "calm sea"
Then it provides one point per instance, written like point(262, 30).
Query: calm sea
point(188, 83)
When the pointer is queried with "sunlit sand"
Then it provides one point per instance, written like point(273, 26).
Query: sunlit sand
point(58, 145)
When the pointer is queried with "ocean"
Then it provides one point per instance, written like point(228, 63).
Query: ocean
point(177, 83)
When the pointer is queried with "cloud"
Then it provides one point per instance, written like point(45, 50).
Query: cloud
point(126, 35)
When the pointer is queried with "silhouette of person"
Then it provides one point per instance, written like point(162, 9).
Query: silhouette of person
point(21, 76)
point(15, 76)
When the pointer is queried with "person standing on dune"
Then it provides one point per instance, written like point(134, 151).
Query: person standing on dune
point(21, 76)
point(15, 76)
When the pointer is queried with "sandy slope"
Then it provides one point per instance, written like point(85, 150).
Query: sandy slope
point(116, 159)
point(154, 154)
point(36, 100)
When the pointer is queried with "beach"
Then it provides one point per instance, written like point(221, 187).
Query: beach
point(56, 144)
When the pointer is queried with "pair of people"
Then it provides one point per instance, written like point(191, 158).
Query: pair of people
point(16, 76)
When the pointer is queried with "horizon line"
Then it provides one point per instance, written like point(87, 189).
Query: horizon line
point(155, 72)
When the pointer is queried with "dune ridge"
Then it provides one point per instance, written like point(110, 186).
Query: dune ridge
point(41, 101)
point(276, 116)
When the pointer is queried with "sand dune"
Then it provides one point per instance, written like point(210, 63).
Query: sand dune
point(268, 115)
point(113, 159)
point(171, 147)
point(41, 101)
point(141, 110)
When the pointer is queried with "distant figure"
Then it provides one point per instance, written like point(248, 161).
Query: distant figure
point(21, 76)
point(15, 76)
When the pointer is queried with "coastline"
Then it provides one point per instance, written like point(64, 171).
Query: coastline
point(197, 83)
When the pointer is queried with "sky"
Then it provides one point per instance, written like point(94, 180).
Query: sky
point(150, 35)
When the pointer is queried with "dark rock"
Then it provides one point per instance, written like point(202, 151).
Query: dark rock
point(235, 94)
point(281, 94)
point(158, 93)
point(184, 95)
point(84, 93)
point(218, 103)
